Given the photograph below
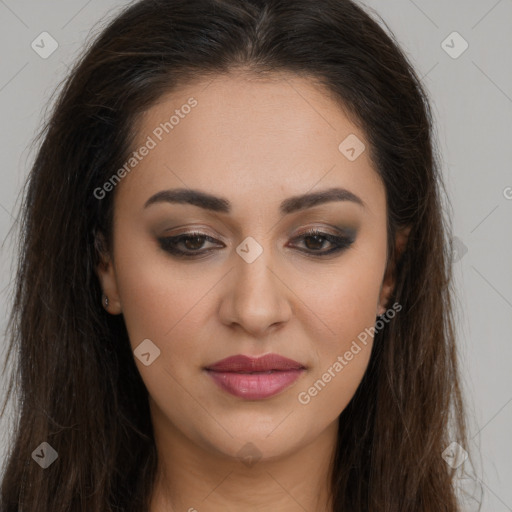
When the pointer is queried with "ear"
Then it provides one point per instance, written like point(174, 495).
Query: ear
point(389, 281)
point(106, 274)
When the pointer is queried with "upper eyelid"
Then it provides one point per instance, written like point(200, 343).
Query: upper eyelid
point(312, 231)
point(338, 243)
point(307, 231)
point(341, 232)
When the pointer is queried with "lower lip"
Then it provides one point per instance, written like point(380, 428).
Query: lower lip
point(255, 386)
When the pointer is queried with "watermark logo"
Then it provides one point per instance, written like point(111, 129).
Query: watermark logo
point(454, 45)
point(150, 144)
point(454, 455)
point(304, 397)
point(44, 455)
point(459, 249)
point(352, 147)
point(147, 352)
point(44, 45)
point(249, 249)
point(249, 454)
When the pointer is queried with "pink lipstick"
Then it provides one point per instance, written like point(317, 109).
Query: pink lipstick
point(255, 378)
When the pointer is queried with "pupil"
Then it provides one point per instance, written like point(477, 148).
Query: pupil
point(198, 239)
point(318, 238)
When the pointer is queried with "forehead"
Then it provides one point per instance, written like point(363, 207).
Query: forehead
point(240, 136)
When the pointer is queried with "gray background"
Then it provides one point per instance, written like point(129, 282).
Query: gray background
point(472, 101)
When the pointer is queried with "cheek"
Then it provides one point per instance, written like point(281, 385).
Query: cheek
point(342, 300)
point(346, 302)
point(168, 303)
point(155, 293)
point(329, 391)
point(160, 305)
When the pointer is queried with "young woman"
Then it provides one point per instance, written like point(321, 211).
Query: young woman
point(234, 281)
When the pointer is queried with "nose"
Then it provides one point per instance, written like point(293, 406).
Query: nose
point(256, 297)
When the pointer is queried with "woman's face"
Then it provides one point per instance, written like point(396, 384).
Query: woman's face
point(249, 153)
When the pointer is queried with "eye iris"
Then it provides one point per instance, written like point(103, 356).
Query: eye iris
point(319, 239)
point(191, 244)
point(197, 238)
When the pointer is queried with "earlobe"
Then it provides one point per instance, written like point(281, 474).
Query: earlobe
point(389, 281)
point(106, 274)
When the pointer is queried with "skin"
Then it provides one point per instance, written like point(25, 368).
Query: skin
point(254, 142)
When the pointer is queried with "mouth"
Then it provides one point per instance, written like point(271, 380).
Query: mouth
point(255, 378)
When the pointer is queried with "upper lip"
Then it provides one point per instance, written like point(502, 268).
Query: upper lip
point(247, 364)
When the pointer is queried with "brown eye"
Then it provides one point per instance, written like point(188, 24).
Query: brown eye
point(318, 241)
point(314, 240)
point(191, 242)
point(190, 245)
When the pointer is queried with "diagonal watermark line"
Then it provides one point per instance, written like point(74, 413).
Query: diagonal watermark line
point(501, 409)
point(495, 289)
point(286, 491)
point(232, 269)
point(492, 81)
point(197, 401)
point(280, 423)
point(424, 14)
point(170, 170)
point(7, 235)
point(402, 415)
point(310, 188)
point(15, 75)
point(198, 302)
point(487, 13)
point(217, 486)
point(497, 497)
point(6, 211)
point(428, 72)
point(301, 300)
point(208, 84)
point(71, 19)
point(287, 81)
point(5, 239)
point(492, 211)
point(13, 13)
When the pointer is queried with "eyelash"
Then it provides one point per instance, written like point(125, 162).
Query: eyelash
point(170, 243)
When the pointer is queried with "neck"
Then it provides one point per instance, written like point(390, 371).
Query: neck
point(198, 478)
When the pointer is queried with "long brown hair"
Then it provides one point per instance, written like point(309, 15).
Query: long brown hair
point(77, 385)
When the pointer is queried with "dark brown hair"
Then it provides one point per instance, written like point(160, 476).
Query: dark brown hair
point(76, 381)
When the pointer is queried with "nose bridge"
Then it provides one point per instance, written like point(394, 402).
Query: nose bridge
point(253, 279)
point(258, 297)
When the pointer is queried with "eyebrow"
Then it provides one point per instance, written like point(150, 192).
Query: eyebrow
point(222, 205)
